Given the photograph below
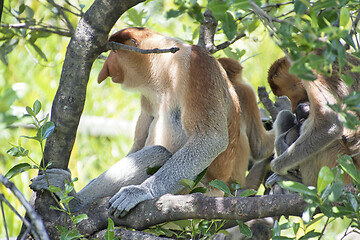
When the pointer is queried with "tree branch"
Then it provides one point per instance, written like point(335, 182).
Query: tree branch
point(207, 31)
point(36, 221)
point(118, 46)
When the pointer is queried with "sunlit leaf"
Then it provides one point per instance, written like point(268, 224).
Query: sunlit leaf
point(79, 218)
point(325, 178)
point(298, 187)
point(187, 183)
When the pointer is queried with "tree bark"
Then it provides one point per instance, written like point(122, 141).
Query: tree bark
point(178, 207)
point(88, 41)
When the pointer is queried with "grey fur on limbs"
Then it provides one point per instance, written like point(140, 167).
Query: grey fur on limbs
point(131, 170)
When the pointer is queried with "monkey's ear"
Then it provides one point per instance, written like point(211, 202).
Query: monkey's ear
point(111, 68)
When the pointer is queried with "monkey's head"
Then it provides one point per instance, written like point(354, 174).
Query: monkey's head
point(232, 67)
point(283, 83)
point(127, 67)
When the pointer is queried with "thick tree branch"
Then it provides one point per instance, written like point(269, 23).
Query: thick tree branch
point(195, 206)
point(87, 43)
point(207, 31)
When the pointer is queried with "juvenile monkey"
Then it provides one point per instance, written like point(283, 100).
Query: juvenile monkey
point(190, 120)
point(260, 141)
point(322, 136)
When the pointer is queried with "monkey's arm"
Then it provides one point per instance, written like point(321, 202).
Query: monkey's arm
point(320, 129)
point(130, 170)
point(142, 126)
point(190, 160)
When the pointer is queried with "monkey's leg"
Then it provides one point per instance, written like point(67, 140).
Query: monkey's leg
point(131, 170)
point(128, 171)
point(257, 173)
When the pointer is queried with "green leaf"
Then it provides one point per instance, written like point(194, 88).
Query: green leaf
point(199, 190)
point(325, 178)
point(18, 151)
point(241, 4)
point(54, 189)
point(248, 192)
point(311, 234)
point(36, 107)
point(187, 183)
point(308, 213)
point(229, 25)
point(79, 218)
point(30, 111)
point(348, 166)
point(345, 18)
point(298, 187)
point(296, 227)
point(300, 6)
point(244, 229)
point(17, 169)
point(152, 170)
point(222, 186)
point(336, 191)
point(39, 51)
point(354, 202)
point(46, 130)
point(200, 177)
point(109, 235)
point(218, 8)
point(29, 12)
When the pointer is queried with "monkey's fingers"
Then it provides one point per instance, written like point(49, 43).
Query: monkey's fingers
point(126, 199)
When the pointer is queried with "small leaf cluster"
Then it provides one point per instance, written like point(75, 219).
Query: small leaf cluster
point(329, 197)
point(65, 198)
point(44, 128)
point(347, 108)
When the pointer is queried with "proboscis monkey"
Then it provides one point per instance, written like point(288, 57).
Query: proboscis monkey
point(322, 136)
point(190, 120)
point(260, 140)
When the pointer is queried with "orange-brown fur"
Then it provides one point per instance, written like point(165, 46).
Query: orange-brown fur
point(322, 136)
point(260, 142)
point(193, 83)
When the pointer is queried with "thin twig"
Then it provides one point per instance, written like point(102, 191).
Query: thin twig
point(34, 217)
point(118, 46)
point(40, 28)
point(228, 43)
point(63, 15)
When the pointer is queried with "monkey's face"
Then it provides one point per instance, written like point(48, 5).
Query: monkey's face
point(283, 83)
point(125, 67)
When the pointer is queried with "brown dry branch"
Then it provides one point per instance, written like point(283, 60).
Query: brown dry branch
point(118, 46)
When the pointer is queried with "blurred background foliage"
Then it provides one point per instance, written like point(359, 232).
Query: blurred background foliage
point(31, 63)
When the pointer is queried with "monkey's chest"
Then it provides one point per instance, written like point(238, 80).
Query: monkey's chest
point(167, 130)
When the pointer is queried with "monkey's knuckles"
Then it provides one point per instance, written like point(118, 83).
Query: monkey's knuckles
point(56, 177)
point(126, 199)
point(275, 166)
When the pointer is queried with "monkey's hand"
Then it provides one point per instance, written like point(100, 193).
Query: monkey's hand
point(277, 167)
point(127, 198)
point(275, 178)
point(54, 177)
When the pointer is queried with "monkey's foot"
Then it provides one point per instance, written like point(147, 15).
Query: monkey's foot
point(126, 199)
